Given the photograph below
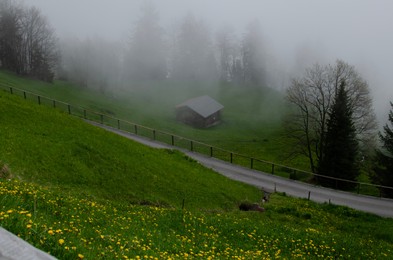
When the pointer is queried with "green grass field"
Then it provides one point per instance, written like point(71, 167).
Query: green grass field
point(58, 149)
point(80, 192)
point(77, 226)
point(251, 126)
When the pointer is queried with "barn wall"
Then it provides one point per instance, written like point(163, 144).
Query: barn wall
point(212, 120)
point(190, 117)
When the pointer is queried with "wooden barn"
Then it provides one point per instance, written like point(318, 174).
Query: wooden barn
point(201, 112)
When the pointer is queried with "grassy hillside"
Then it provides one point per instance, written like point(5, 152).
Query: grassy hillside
point(50, 148)
point(80, 192)
point(76, 227)
point(251, 119)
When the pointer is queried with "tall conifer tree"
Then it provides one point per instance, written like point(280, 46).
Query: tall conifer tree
point(341, 146)
point(383, 168)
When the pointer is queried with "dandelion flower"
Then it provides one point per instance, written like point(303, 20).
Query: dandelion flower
point(80, 256)
point(61, 241)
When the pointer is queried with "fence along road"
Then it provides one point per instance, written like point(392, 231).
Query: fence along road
point(192, 145)
point(382, 207)
point(379, 206)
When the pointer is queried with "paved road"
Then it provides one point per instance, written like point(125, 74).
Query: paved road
point(380, 206)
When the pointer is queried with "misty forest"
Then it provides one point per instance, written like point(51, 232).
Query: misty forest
point(319, 114)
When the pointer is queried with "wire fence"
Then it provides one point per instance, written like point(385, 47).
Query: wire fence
point(199, 147)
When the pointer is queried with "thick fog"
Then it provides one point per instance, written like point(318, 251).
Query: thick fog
point(296, 34)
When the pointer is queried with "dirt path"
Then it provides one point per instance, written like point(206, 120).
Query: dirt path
point(379, 206)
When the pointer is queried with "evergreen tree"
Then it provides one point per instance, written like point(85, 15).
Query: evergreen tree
point(253, 56)
point(383, 169)
point(340, 145)
point(147, 58)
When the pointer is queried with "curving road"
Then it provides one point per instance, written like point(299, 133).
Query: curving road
point(379, 206)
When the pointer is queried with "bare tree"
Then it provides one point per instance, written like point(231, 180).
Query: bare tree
point(312, 97)
point(39, 45)
point(10, 35)
point(28, 44)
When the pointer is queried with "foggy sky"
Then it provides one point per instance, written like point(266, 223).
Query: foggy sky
point(298, 33)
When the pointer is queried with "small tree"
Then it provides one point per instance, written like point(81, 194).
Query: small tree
point(383, 168)
point(341, 146)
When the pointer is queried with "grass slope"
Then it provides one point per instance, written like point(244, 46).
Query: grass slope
point(75, 227)
point(50, 148)
point(75, 187)
point(251, 118)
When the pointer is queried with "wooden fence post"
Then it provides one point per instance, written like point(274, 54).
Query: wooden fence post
point(11, 90)
point(39, 100)
point(154, 134)
point(173, 140)
point(24, 94)
point(136, 129)
point(102, 119)
point(54, 103)
point(231, 157)
point(84, 113)
point(192, 146)
point(273, 168)
point(211, 151)
point(118, 124)
point(252, 163)
point(69, 109)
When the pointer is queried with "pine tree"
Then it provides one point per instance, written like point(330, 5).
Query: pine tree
point(383, 169)
point(340, 144)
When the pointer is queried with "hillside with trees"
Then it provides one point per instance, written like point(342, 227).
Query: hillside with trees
point(193, 55)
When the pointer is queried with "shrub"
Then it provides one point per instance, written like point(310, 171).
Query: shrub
point(5, 172)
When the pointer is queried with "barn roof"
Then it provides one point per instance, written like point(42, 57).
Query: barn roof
point(203, 105)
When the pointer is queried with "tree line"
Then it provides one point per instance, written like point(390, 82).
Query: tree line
point(28, 45)
point(187, 51)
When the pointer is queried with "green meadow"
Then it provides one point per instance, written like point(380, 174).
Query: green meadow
point(251, 119)
point(79, 192)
